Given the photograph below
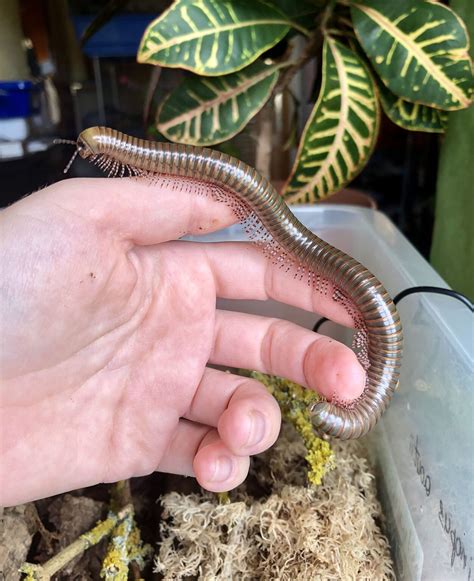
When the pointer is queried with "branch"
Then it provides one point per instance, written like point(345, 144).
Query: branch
point(101, 530)
point(126, 552)
point(311, 48)
point(121, 495)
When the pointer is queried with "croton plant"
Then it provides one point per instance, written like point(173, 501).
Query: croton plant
point(409, 57)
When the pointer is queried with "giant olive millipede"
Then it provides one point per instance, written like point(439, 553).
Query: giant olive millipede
point(378, 339)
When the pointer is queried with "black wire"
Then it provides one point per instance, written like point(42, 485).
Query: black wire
point(435, 290)
point(319, 323)
point(418, 289)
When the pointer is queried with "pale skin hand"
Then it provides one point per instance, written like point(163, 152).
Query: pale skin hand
point(108, 325)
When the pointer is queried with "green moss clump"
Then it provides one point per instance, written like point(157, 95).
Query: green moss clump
point(294, 402)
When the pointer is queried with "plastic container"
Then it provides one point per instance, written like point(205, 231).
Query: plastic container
point(423, 447)
point(119, 37)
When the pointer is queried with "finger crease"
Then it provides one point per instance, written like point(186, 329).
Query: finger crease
point(268, 344)
point(306, 355)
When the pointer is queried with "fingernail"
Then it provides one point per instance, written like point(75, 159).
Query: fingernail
point(223, 469)
point(257, 428)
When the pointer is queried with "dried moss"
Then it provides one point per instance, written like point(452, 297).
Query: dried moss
point(294, 533)
point(276, 526)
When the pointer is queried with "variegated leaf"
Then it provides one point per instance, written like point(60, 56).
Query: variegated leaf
point(341, 131)
point(212, 37)
point(205, 111)
point(412, 116)
point(419, 49)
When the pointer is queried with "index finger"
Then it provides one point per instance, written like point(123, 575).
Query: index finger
point(138, 211)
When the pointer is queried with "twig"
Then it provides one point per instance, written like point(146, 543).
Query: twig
point(116, 560)
point(126, 551)
point(121, 495)
point(327, 13)
point(102, 529)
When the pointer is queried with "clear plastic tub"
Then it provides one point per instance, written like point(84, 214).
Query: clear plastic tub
point(423, 449)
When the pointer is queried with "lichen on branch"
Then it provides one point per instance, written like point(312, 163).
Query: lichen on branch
point(294, 402)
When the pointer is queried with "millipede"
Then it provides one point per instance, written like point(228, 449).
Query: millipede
point(378, 338)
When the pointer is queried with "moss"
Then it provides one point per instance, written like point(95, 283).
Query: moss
point(292, 532)
point(294, 401)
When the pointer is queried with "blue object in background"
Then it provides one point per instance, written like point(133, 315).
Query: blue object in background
point(120, 37)
point(17, 99)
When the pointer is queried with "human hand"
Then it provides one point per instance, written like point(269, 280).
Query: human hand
point(108, 325)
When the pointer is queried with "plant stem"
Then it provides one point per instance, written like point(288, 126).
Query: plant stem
point(45, 571)
point(327, 15)
point(264, 140)
point(126, 554)
point(310, 50)
point(121, 495)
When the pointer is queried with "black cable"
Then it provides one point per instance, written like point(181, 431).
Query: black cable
point(418, 289)
point(319, 323)
point(435, 290)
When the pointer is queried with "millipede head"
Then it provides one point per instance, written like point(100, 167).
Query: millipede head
point(87, 142)
point(85, 146)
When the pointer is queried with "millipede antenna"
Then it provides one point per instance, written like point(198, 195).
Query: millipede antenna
point(71, 161)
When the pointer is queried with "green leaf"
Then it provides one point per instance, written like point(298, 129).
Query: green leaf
point(419, 49)
point(212, 37)
point(205, 111)
point(412, 116)
point(341, 131)
point(298, 11)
